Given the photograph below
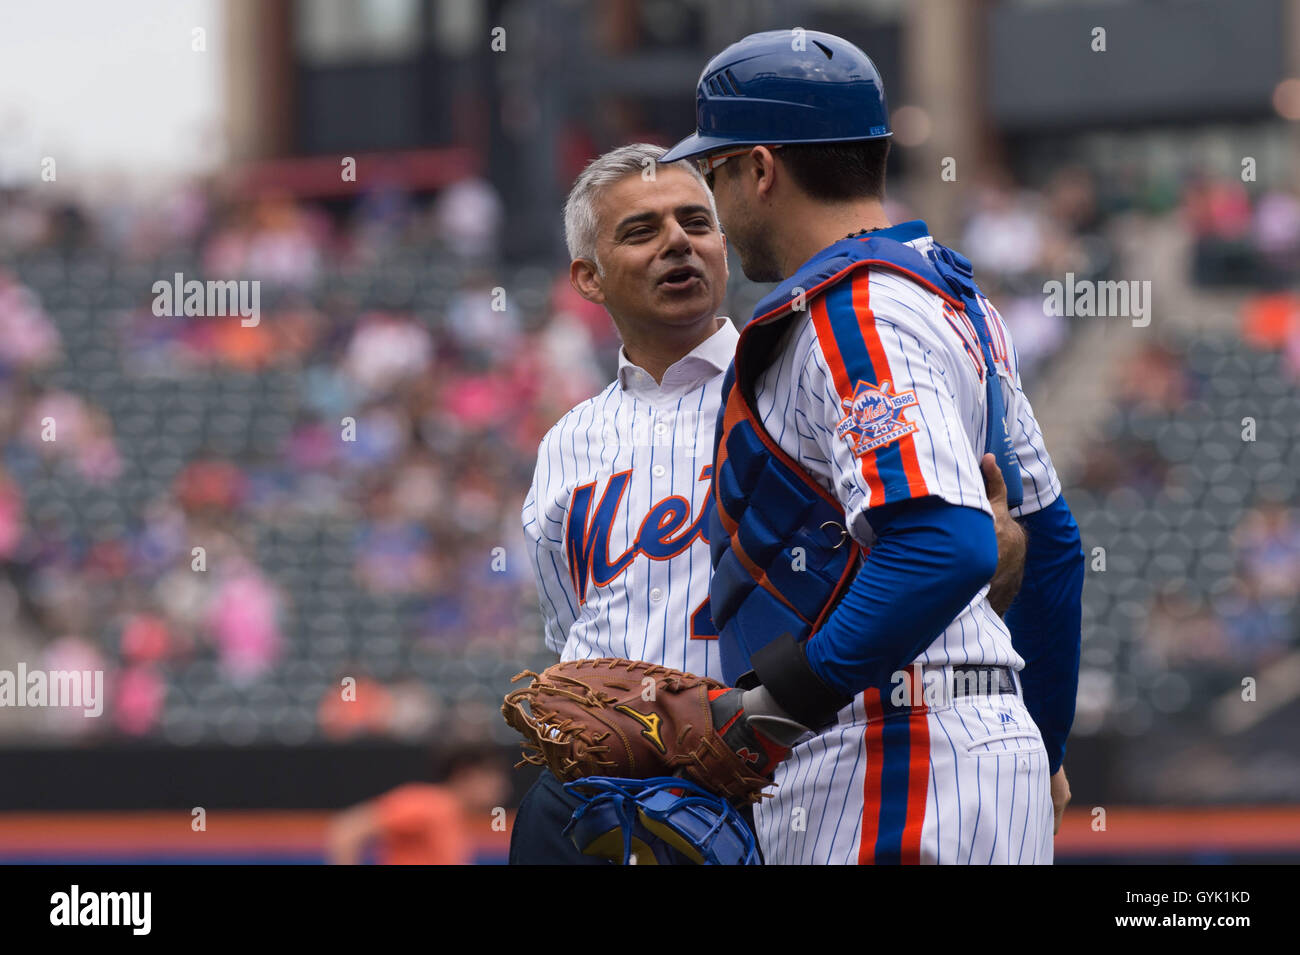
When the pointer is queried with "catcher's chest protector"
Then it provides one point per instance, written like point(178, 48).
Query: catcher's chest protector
point(781, 552)
point(779, 548)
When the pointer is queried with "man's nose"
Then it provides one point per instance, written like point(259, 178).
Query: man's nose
point(676, 238)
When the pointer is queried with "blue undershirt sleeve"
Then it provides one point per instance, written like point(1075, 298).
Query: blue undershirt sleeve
point(930, 558)
point(1045, 621)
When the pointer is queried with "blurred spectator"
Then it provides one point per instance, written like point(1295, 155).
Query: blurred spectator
point(1036, 334)
point(412, 710)
point(11, 517)
point(1273, 321)
point(275, 240)
point(25, 223)
point(211, 487)
point(468, 217)
point(1257, 626)
point(1268, 550)
point(422, 824)
point(27, 337)
point(145, 638)
point(1181, 630)
point(361, 708)
point(139, 693)
point(1155, 376)
point(1219, 216)
point(1005, 235)
point(76, 654)
point(245, 622)
point(480, 319)
point(393, 555)
point(64, 426)
point(1276, 232)
point(385, 350)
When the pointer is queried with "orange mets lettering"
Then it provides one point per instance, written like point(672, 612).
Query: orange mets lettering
point(663, 533)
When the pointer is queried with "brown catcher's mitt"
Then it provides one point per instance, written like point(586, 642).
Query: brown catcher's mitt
point(600, 718)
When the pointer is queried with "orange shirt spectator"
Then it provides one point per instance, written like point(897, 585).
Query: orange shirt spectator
point(365, 709)
point(421, 824)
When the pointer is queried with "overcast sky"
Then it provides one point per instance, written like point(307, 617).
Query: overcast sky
point(111, 89)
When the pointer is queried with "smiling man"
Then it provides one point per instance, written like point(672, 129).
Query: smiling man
point(616, 515)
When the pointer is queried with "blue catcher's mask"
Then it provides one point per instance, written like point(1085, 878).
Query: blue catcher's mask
point(666, 820)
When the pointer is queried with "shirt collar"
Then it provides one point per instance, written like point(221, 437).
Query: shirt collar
point(705, 360)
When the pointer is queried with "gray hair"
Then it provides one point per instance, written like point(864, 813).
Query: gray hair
point(615, 165)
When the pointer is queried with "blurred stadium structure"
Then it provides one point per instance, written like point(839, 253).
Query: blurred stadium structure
point(395, 558)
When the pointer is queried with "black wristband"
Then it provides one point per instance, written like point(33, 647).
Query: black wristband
point(783, 668)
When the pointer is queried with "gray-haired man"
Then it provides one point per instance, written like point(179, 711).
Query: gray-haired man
point(616, 516)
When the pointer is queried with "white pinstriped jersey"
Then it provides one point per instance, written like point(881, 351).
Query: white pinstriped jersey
point(963, 779)
point(801, 406)
point(614, 516)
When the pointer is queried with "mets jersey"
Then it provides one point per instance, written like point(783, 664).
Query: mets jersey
point(930, 381)
point(953, 777)
point(616, 519)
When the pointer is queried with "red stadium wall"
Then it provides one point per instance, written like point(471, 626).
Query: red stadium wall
point(1131, 835)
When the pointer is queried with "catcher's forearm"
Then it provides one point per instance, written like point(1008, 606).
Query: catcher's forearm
point(929, 560)
point(1045, 621)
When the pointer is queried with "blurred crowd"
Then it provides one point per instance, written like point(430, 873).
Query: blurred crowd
point(415, 423)
point(1199, 475)
point(1240, 241)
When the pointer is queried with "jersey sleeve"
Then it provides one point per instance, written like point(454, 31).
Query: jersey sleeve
point(543, 521)
point(889, 424)
point(1037, 474)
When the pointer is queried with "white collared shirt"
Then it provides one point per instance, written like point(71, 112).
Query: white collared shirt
point(631, 579)
point(704, 361)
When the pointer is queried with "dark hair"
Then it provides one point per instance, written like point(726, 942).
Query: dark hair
point(838, 171)
point(471, 755)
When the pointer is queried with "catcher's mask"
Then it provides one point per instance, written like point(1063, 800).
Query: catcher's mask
point(666, 820)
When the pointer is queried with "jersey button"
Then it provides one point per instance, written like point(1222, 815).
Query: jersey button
point(661, 428)
point(656, 595)
point(657, 470)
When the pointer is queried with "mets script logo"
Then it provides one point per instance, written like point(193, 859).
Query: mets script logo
point(652, 722)
point(874, 417)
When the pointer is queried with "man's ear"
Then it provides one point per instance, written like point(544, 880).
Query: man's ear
point(726, 272)
point(586, 281)
point(764, 171)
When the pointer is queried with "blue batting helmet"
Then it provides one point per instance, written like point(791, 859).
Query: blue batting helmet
point(786, 86)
